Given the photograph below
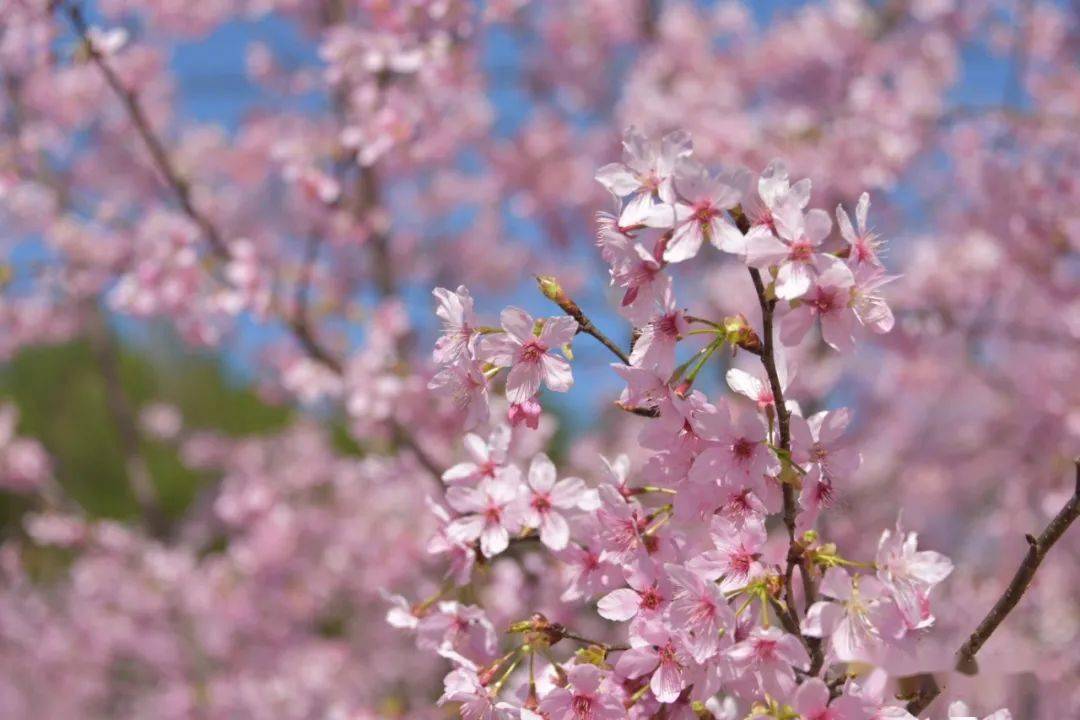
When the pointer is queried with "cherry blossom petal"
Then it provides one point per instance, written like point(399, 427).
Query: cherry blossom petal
point(518, 323)
point(554, 531)
point(619, 605)
point(523, 381)
point(557, 374)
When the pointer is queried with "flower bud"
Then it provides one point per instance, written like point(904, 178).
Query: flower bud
point(550, 287)
point(739, 333)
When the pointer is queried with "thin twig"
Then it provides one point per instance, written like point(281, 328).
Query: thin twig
point(608, 648)
point(554, 292)
point(1038, 547)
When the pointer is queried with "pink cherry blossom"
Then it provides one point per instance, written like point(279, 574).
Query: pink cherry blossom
point(736, 455)
point(634, 268)
point(463, 686)
point(756, 386)
point(699, 213)
point(463, 628)
point(816, 494)
point(527, 353)
point(812, 702)
point(700, 608)
point(587, 571)
point(539, 506)
point(646, 174)
point(460, 554)
point(850, 621)
point(458, 324)
point(828, 299)
point(769, 655)
point(582, 699)
point(487, 459)
point(622, 523)
point(864, 244)
point(820, 440)
point(527, 413)
point(647, 597)
point(870, 307)
point(465, 384)
point(734, 562)
point(655, 347)
point(910, 574)
point(487, 513)
point(654, 652)
point(873, 694)
point(793, 250)
point(774, 190)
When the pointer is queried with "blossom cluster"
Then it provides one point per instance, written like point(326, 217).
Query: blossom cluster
point(677, 554)
point(374, 149)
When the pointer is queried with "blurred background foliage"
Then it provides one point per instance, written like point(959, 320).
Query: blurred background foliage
point(62, 396)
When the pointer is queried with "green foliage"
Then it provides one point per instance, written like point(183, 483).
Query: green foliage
point(61, 396)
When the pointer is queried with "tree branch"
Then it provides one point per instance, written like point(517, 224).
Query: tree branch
point(301, 330)
point(551, 289)
point(153, 144)
point(783, 421)
point(1037, 549)
point(136, 471)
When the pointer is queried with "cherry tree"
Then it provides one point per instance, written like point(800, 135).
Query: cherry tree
point(821, 479)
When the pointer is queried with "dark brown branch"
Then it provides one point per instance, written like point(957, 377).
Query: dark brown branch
point(1038, 547)
point(301, 320)
point(783, 422)
point(650, 19)
point(136, 471)
point(554, 292)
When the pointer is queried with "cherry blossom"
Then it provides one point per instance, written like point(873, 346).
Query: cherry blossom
point(487, 458)
point(458, 324)
point(736, 455)
point(540, 505)
point(647, 596)
point(909, 574)
point(699, 213)
point(487, 513)
point(828, 299)
point(655, 348)
point(864, 244)
point(734, 562)
point(819, 439)
point(793, 250)
point(812, 702)
point(527, 353)
point(582, 699)
point(700, 607)
point(654, 652)
point(646, 174)
point(374, 150)
point(850, 621)
point(768, 655)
